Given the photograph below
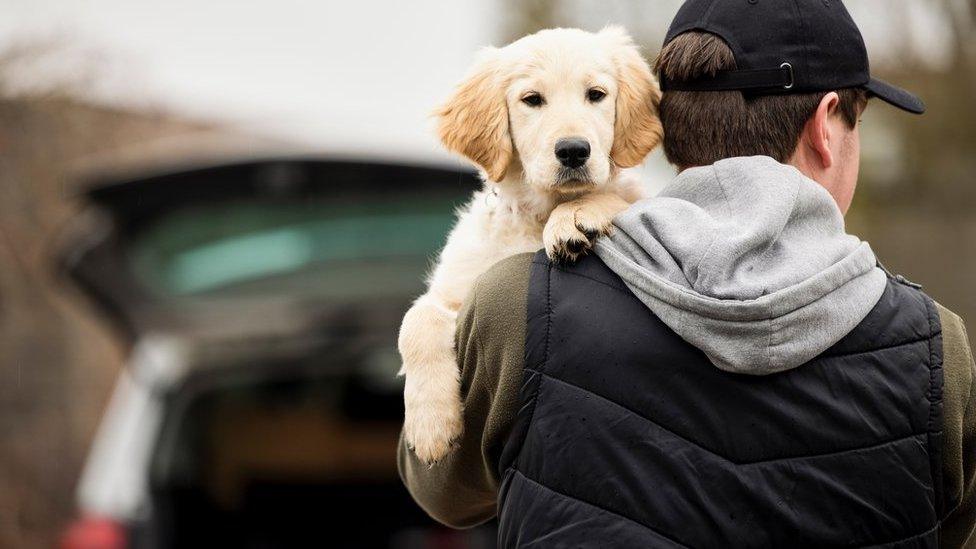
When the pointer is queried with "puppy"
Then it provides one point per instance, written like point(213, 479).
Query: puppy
point(550, 120)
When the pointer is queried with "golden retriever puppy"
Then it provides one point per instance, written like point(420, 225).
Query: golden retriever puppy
point(550, 120)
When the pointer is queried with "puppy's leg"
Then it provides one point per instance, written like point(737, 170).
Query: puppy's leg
point(431, 394)
point(574, 225)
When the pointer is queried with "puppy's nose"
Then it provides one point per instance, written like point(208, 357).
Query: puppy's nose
point(572, 152)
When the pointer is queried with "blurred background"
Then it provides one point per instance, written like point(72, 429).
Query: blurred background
point(199, 289)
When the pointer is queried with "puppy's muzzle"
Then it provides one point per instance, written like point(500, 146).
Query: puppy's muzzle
point(572, 152)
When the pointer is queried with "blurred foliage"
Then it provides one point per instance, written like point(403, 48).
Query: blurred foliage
point(935, 154)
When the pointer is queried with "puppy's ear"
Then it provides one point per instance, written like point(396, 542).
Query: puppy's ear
point(474, 121)
point(637, 129)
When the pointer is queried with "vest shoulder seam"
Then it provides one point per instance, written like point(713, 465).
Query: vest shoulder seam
point(936, 420)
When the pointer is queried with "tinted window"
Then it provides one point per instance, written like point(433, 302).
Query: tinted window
point(344, 249)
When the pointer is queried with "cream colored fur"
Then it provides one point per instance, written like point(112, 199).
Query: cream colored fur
point(524, 204)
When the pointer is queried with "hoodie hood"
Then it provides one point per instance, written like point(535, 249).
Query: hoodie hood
point(749, 261)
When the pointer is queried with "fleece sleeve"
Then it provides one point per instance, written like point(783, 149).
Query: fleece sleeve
point(959, 464)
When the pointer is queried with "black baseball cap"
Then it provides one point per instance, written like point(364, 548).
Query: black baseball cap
point(783, 47)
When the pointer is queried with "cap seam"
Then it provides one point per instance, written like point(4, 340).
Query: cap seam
point(804, 32)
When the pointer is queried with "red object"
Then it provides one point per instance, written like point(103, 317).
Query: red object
point(94, 533)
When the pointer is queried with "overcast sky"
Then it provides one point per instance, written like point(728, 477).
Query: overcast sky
point(334, 75)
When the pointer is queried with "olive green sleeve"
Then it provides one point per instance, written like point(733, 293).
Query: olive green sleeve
point(959, 455)
point(461, 490)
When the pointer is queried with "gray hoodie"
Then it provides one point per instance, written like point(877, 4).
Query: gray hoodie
point(749, 261)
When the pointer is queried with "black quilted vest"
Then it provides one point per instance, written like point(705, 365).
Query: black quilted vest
point(627, 436)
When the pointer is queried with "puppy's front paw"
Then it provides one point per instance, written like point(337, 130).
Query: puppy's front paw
point(432, 422)
point(595, 220)
point(563, 239)
point(573, 226)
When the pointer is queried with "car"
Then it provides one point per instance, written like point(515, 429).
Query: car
point(259, 301)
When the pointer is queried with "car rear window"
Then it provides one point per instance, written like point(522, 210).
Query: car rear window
point(327, 248)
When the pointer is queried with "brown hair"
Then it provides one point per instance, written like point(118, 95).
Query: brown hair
point(701, 128)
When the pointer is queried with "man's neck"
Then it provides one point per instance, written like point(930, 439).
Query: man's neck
point(798, 162)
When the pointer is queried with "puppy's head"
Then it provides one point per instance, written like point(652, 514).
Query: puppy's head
point(563, 106)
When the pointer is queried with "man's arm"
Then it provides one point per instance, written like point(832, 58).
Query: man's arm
point(959, 399)
point(461, 490)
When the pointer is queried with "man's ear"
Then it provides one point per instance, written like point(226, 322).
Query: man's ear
point(817, 132)
point(474, 121)
point(637, 129)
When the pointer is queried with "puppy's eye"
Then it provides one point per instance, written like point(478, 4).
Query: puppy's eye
point(533, 99)
point(595, 95)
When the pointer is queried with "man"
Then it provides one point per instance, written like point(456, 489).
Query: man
point(733, 369)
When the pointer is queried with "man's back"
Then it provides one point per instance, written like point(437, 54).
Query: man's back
point(629, 433)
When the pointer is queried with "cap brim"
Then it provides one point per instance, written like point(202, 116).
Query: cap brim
point(895, 96)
